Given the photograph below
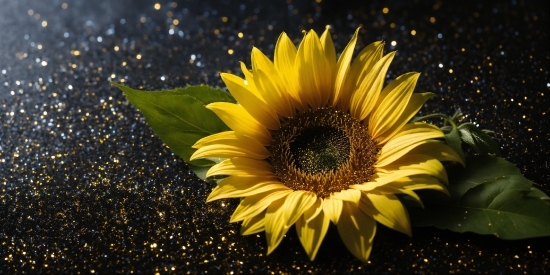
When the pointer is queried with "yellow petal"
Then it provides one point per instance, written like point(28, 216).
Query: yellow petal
point(439, 151)
point(235, 146)
point(262, 62)
point(252, 87)
point(314, 210)
point(332, 208)
point(366, 94)
point(274, 96)
point(357, 231)
point(312, 228)
point(366, 59)
point(392, 103)
point(342, 68)
point(221, 137)
point(359, 68)
point(250, 81)
point(424, 182)
point(295, 204)
point(211, 139)
point(255, 204)
point(330, 55)
point(254, 105)
point(328, 48)
point(417, 127)
point(419, 182)
point(227, 150)
point(410, 137)
point(407, 166)
point(269, 84)
point(416, 101)
point(350, 195)
point(285, 55)
point(314, 71)
point(275, 227)
point(244, 167)
point(391, 189)
point(240, 121)
point(387, 210)
point(371, 185)
point(236, 187)
point(402, 186)
point(419, 164)
point(253, 225)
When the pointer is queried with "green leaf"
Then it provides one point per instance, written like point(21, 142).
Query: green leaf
point(200, 171)
point(179, 116)
point(452, 139)
point(480, 141)
point(489, 196)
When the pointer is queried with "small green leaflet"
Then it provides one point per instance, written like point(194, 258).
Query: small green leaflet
point(480, 141)
point(179, 117)
point(489, 196)
point(466, 133)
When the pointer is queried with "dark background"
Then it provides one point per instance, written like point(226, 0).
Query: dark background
point(87, 187)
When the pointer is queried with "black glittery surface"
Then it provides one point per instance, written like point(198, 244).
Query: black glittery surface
point(87, 187)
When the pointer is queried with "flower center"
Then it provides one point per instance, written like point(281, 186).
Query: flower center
point(323, 151)
point(320, 149)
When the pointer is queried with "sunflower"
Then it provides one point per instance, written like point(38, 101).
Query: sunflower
point(317, 139)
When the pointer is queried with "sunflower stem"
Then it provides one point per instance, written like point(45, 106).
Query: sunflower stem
point(446, 118)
